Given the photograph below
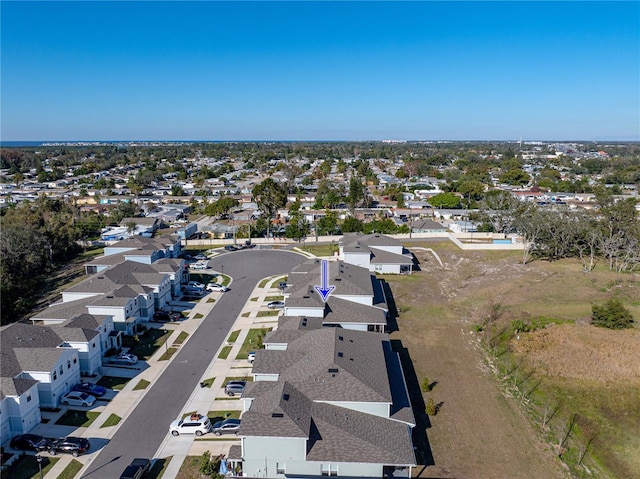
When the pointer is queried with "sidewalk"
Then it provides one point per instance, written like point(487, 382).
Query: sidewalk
point(125, 400)
point(214, 399)
point(202, 399)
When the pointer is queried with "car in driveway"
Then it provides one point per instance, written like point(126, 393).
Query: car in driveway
point(217, 287)
point(199, 266)
point(138, 468)
point(235, 387)
point(226, 427)
point(200, 257)
point(276, 305)
point(230, 247)
point(77, 398)
point(70, 445)
point(251, 356)
point(162, 316)
point(90, 388)
point(195, 284)
point(30, 442)
point(197, 424)
point(125, 359)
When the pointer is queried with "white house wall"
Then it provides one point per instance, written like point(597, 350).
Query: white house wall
point(20, 414)
point(317, 312)
point(373, 408)
point(260, 454)
point(366, 300)
point(358, 259)
point(67, 297)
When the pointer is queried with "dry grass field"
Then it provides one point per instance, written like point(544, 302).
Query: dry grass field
point(495, 410)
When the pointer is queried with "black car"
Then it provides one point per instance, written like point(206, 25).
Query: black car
point(30, 442)
point(162, 316)
point(70, 445)
point(230, 247)
point(138, 468)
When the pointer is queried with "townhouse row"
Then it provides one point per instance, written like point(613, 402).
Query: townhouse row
point(328, 396)
point(42, 361)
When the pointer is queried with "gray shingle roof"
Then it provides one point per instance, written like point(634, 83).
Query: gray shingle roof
point(38, 359)
point(348, 279)
point(15, 386)
point(331, 364)
point(379, 256)
point(353, 242)
point(334, 434)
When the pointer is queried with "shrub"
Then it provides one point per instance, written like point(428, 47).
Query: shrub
point(431, 408)
point(612, 315)
point(425, 385)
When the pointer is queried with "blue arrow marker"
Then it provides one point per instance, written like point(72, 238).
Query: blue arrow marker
point(325, 290)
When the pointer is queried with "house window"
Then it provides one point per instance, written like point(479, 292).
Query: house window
point(29, 398)
point(61, 370)
point(378, 267)
point(93, 345)
point(55, 375)
point(75, 360)
point(68, 364)
point(370, 328)
point(279, 468)
point(329, 469)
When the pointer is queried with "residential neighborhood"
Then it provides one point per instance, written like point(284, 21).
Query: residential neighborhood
point(320, 388)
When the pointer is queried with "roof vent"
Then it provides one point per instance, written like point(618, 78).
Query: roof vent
point(338, 279)
point(306, 297)
point(285, 397)
point(340, 355)
point(333, 370)
point(100, 277)
point(277, 414)
point(341, 338)
point(110, 297)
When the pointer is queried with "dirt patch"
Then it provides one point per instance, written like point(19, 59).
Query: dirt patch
point(583, 352)
point(479, 431)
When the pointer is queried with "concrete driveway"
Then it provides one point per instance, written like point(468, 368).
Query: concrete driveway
point(146, 426)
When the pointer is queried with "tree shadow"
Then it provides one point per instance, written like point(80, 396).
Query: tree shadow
point(424, 455)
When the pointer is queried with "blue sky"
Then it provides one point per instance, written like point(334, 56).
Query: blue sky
point(320, 70)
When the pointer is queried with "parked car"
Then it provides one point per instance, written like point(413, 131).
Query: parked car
point(217, 287)
point(70, 445)
point(30, 442)
point(90, 388)
point(195, 284)
point(282, 285)
point(251, 357)
point(138, 468)
point(235, 387)
point(230, 247)
point(162, 316)
point(276, 305)
point(226, 426)
point(125, 359)
point(199, 266)
point(77, 398)
point(197, 424)
point(200, 257)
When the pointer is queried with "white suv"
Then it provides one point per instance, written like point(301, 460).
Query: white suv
point(195, 424)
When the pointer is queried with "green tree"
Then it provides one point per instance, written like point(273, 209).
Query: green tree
point(445, 200)
point(351, 225)
point(328, 224)
point(221, 207)
point(515, 176)
point(612, 314)
point(269, 196)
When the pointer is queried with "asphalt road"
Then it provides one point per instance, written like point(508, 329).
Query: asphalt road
point(143, 431)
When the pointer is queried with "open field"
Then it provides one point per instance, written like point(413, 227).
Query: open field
point(485, 428)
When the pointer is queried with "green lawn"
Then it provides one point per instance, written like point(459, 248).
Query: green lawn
point(208, 382)
point(159, 466)
point(274, 298)
point(233, 336)
point(252, 342)
point(142, 384)
point(149, 343)
point(181, 337)
point(198, 316)
point(112, 420)
point(224, 353)
point(321, 249)
point(26, 467)
point(262, 314)
point(167, 354)
point(113, 382)
point(72, 469)
point(77, 418)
